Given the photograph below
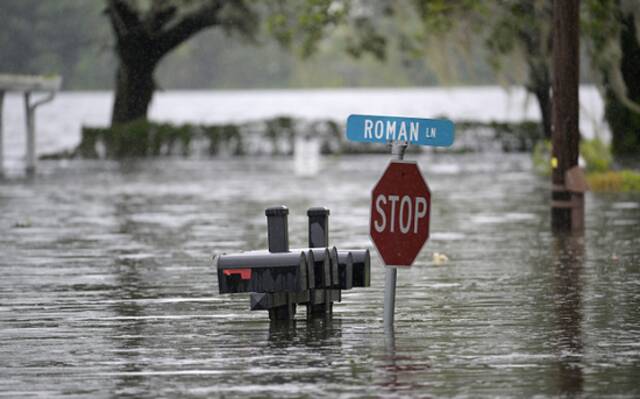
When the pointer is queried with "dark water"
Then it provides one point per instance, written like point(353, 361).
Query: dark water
point(107, 287)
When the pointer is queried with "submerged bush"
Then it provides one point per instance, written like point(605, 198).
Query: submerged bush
point(509, 136)
point(615, 181)
point(541, 157)
point(596, 154)
point(599, 161)
point(276, 136)
point(139, 138)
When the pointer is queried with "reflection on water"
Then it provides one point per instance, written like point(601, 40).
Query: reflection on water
point(568, 261)
point(128, 338)
point(399, 367)
point(108, 289)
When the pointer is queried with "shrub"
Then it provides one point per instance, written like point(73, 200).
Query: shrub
point(596, 154)
point(615, 181)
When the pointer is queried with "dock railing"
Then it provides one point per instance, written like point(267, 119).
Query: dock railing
point(29, 85)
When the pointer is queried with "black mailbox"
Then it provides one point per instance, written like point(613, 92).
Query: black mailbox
point(321, 265)
point(361, 266)
point(262, 271)
point(281, 278)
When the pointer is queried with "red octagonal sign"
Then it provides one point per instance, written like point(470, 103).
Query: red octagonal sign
point(400, 213)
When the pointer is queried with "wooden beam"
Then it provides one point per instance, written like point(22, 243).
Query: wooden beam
point(566, 134)
point(29, 83)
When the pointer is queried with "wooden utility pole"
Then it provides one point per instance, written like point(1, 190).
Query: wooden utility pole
point(568, 186)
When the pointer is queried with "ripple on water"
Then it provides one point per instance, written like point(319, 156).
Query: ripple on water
point(110, 289)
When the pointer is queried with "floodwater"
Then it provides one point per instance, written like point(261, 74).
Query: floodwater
point(107, 287)
point(58, 123)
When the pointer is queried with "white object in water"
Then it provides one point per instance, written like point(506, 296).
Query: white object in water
point(440, 259)
point(306, 155)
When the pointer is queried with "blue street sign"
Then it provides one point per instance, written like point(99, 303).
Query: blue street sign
point(384, 129)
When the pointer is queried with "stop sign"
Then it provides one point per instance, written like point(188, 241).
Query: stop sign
point(400, 213)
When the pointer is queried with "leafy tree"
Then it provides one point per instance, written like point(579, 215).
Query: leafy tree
point(518, 29)
point(440, 30)
point(45, 37)
point(613, 30)
point(145, 34)
point(523, 26)
point(301, 25)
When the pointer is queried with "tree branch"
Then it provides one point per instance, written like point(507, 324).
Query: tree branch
point(123, 16)
point(161, 13)
point(187, 26)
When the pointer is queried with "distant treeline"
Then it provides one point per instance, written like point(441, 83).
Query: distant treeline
point(73, 38)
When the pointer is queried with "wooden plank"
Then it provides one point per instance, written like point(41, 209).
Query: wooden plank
point(575, 180)
point(29, 83)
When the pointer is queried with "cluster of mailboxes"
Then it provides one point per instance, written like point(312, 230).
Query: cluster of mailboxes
point(281, 278)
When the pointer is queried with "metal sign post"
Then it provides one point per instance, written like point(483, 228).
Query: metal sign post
point(391, 273)
point(401, 200)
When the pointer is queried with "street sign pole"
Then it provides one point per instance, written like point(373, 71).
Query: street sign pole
point(391, 273)
point(401, 200)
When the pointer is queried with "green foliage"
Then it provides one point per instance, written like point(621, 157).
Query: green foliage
point(366, 40)
point(128, 140)
point(73, 38)
point(621, 109)
point(441, 16)
point(139, 138)
point(600, 24)
point(541, 157)
point(55, 37)
point(614, 44)
point(630, 181)
point(615, 181)
point(596, 154)
point(302, 24)
point(142, 138)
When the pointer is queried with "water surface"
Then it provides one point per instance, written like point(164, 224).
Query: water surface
point(108, 288)
point(58, 123)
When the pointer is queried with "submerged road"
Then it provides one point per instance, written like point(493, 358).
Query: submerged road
point(107, 287)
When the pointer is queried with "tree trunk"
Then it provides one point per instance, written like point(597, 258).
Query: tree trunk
point(540, 86)
point(134, 90)
point(543, 95)
point(624, 122)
